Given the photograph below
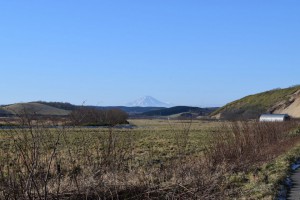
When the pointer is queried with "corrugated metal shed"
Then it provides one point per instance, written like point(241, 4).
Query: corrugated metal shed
point(274, 117)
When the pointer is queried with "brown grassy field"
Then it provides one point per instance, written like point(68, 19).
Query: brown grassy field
point(161, 159)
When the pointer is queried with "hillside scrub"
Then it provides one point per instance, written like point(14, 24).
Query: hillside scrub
point(244, 147)
point(250, 107)
point(242, 143)
point(72, 163)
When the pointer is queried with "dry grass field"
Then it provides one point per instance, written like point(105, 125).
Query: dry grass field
point(156, 159)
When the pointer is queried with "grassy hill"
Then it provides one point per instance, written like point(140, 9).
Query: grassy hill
point(34, 108)
point(60, 105)
point(4, 113)
point(62, 108)
point(69, 106)
point(250, 107)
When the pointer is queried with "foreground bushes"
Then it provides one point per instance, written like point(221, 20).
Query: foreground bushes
point(240, 144)
point(43, 163)
point(95, 117)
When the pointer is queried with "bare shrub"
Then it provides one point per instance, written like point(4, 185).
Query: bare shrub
point(90, 117)
point(27, 163)
point(241, 144)
point(39, 162)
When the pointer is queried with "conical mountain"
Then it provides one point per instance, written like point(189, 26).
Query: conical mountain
point(148, 101)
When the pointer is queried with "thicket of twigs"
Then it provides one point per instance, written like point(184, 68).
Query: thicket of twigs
point(41, 163)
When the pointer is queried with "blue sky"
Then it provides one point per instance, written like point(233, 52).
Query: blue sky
point(192, 52)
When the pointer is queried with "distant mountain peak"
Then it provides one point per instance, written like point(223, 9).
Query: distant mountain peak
point(148, 101)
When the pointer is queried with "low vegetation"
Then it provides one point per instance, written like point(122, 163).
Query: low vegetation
point(246, 148)
point(95, 117)
point(159, 159)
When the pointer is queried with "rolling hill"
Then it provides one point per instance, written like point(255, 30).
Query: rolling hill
point(184, 110)
point(60, 105)
point(61, 109)
point(128, 109)
point(34, 108)
point(5, 113)
point(280, 101)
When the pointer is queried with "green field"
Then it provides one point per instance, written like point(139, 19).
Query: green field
point(148, 140)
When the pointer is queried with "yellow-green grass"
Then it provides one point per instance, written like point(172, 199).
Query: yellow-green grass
point(131, 157)
point(260, 102)
point(263, 182)
point(34, 108)
point(149, 140)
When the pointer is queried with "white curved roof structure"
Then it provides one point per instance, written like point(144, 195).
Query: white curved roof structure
point(274, 117)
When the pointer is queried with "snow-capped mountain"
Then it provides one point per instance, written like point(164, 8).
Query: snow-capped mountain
point(148, 101)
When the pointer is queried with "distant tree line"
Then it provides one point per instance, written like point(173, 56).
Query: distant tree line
point(179, 109)
point(95, 117)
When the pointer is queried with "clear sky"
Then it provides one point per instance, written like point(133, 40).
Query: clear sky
point(187, 52)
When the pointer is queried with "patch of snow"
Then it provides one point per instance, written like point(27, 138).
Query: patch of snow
point(148, 101)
